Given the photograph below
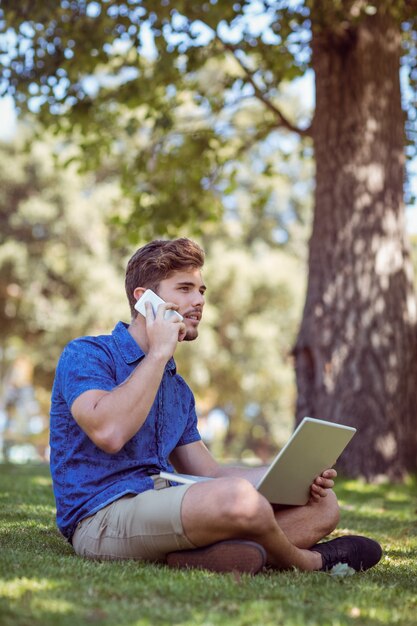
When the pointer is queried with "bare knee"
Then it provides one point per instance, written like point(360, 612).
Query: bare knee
point(225, 508)
point(246, 510)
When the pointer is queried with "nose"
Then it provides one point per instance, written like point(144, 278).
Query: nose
point(199, 299)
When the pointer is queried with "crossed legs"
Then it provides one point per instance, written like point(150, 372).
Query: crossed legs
point(231, 508)
point(168, 524)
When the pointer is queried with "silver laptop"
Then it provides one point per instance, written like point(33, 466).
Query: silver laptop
point(314, 446)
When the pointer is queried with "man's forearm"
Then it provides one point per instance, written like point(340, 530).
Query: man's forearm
point(252, 474)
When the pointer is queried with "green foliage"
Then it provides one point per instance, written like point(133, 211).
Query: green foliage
point(42, 583)
point(170, 119)
point(171, 95)
point(57, 268)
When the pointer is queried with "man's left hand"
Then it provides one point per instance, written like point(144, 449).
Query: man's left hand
point(322, 484)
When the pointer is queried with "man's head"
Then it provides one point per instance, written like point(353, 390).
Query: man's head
point(157, 261)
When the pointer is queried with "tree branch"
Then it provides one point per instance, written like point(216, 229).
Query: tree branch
point(283, 121)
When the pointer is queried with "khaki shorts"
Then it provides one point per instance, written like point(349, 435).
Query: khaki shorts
point(146, 526)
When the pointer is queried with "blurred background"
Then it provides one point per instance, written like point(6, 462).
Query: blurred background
point(62, 276)
point(120, 122)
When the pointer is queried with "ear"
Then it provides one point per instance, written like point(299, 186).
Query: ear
point(139, 291)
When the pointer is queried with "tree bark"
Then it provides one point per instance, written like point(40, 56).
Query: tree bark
point(356, 353)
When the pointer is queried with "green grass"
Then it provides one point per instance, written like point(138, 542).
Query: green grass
point(42, 583)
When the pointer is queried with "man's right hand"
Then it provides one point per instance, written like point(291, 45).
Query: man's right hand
point(163, 335)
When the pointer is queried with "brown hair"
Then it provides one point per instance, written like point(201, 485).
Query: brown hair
point(158, 260)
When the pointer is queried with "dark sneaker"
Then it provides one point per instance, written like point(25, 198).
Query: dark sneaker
point(246, 557)
point(360, 553)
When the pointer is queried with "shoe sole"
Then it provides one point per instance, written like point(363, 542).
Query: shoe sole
point(246, 557)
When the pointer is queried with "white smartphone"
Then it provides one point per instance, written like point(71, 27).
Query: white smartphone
point(155, 300)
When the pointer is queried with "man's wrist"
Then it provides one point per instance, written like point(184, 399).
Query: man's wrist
point(157, 357)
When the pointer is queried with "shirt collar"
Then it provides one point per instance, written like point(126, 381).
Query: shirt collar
point(129, 349)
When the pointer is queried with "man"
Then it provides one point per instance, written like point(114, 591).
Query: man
point(120, 414)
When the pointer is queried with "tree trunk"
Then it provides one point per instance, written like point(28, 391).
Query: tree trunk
point(356, 353)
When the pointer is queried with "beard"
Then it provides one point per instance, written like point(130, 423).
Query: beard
point(191, 334)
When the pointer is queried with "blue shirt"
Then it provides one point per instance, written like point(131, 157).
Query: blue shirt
point(85, 478)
